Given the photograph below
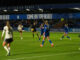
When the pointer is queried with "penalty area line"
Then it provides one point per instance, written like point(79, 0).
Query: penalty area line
point(44, 56)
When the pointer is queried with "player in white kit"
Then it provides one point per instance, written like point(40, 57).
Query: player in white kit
point(20, 27)
point(8, 32)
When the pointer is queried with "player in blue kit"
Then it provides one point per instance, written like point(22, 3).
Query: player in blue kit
point(66, 32)
point(42, 30)
point(46, 34)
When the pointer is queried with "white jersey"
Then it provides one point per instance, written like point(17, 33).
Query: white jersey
point(20, 27)
point(8, 34)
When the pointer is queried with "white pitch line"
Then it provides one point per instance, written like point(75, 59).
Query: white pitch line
point(44, 56)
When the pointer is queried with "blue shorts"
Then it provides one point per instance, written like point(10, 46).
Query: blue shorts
point(66, 32)
point(46, 34)
point(42, 33)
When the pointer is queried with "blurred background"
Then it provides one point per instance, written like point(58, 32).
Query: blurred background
point(57, 12)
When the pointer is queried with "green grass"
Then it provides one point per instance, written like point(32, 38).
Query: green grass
point(29, 48)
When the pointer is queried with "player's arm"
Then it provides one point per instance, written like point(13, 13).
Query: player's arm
point(3, 32)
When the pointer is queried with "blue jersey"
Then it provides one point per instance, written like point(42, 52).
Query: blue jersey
point(46, 30)
point(65, 29)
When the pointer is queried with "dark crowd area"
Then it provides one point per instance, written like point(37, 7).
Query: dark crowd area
point(52, 23)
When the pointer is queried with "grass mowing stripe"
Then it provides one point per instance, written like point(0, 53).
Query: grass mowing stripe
point(44, 55)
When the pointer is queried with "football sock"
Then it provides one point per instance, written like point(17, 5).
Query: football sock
point(9, 49)
point(6, 48)
point(43, 42)
point(68, 37)
point(50, 41)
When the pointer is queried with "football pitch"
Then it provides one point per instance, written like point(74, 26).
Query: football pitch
point(29, 48)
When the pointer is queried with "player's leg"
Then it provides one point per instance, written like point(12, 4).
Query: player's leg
point(68, 36)
point(37, 34)
point(62, 36)
point(5, 47)
point(50, 41)
point(40, 37)
point(41, 45)
point(8, 46)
